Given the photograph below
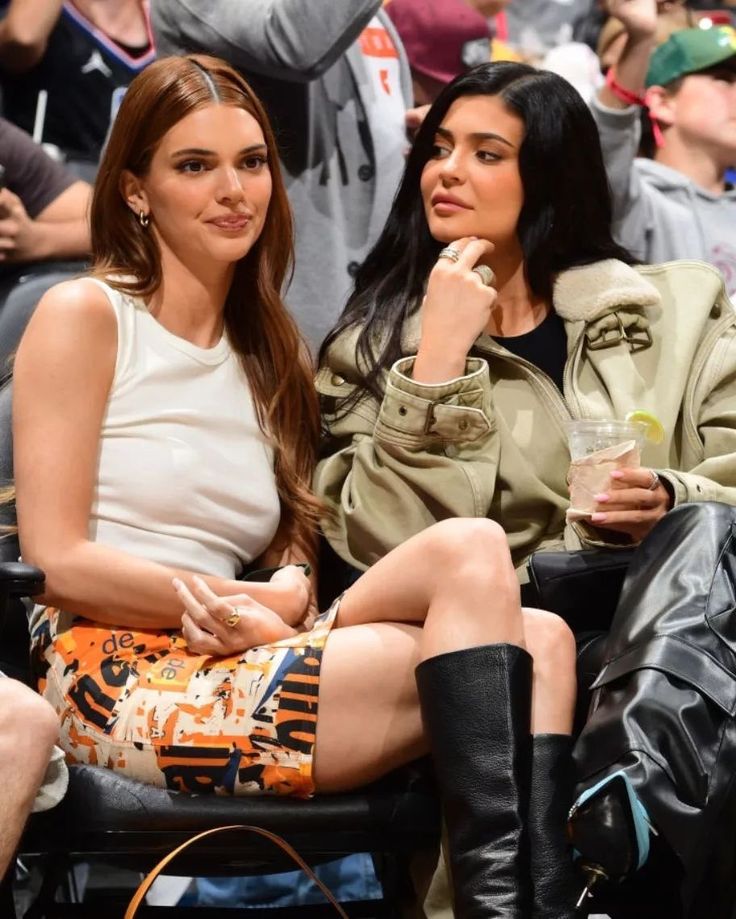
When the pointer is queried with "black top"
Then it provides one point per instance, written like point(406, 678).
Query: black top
point(84, 74)
point(545, 347)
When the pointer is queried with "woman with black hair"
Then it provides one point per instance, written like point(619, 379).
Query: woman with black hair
point(495, 307)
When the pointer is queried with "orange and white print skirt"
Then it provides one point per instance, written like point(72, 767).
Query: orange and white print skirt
point(139, 703)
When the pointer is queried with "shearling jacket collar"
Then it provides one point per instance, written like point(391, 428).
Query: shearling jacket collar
point(592, 291)
point(590, 294)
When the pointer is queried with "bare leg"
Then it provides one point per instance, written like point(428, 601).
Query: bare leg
point(552, 646)
point(457, 581)
point(28, 730)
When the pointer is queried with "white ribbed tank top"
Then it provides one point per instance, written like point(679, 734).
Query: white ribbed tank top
point(185, 475)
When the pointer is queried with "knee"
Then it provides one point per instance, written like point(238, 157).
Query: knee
point(27, 721)
point(463, 541)
point(550, 642)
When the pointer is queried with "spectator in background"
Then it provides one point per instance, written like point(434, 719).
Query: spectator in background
point(677, 204)
point(672, 16)
point(335, 81)
point(442, 39)
point(32, 771)
point(578, 63)
point(43, 227)
point(64, 66)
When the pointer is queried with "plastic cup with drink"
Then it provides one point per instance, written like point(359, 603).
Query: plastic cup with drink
point(597, 448)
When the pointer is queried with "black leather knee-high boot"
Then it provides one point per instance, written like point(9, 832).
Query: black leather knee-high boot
point(476, 706)
point(555, 884)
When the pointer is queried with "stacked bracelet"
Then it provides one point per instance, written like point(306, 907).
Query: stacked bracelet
point(632, 98)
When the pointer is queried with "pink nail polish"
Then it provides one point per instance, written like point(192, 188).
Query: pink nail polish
point(602, 498)
point(617, 474)
point(598, 518)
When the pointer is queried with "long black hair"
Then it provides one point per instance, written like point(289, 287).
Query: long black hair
point(565, 220)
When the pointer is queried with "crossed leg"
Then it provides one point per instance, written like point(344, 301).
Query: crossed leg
point(448, 588)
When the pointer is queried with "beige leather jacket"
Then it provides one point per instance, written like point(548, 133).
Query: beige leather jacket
point(492, 443)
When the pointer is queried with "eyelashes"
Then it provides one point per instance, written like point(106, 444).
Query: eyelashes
point(252, 163)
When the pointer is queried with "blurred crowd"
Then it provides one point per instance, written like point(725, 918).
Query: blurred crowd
point(345, 84)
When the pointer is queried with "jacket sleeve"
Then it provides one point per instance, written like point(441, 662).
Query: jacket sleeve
point(426, 453)
point(620, 133)
point(712, 477)
point(294, 40)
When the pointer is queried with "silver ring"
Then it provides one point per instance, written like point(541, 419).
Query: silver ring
point(449, 252)
point(655, 481)
point(485, 274)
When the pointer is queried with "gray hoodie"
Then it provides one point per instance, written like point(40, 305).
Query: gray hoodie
point(342, 160)
point(660, 214)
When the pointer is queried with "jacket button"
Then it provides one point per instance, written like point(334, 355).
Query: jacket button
point(365, 172)
point(402, 410)
point(336, 379)
point(463, 424)
point(353, 268)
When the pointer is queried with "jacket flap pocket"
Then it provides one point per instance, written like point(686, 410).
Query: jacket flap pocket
point(675, 657)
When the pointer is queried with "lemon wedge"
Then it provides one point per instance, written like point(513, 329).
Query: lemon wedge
point(655, 431)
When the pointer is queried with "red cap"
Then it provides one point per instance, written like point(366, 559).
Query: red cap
point(440, 36)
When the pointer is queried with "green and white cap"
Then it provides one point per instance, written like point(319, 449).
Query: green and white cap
point(689, 51)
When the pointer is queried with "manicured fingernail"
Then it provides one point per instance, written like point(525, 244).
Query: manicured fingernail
point(617, 474)
point(602, 498)
point(177, 584)
point(598, 518)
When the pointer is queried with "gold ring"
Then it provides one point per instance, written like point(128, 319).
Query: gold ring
point(485, 274)
point(233, 619)
point(449, 252)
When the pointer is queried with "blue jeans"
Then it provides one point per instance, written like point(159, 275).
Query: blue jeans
point(349, 878)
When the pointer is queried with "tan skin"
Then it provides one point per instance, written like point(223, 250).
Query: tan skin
point(61, 230)
point(207, 195)
point(473, 195)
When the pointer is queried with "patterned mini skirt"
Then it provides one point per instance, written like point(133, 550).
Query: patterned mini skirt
point(140, 703)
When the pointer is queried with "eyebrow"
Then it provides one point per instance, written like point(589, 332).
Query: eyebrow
point(201, 151)
point(476, 135)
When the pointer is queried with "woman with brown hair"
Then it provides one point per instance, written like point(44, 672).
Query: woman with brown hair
point(165, 428)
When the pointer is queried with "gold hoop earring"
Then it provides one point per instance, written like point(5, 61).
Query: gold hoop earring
point(144, 219)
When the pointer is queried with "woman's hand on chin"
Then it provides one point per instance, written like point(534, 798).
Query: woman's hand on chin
point(223, 626)
point(456, 309)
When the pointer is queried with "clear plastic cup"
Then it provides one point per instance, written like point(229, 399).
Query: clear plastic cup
point(586, 436)
point(597, 448)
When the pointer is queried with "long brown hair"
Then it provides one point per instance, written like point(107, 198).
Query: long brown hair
point(259, 328)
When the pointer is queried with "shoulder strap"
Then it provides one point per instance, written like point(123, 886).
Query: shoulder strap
point(281, 843)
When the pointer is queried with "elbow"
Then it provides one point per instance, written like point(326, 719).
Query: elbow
point(303, 61)
point(56, 567)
